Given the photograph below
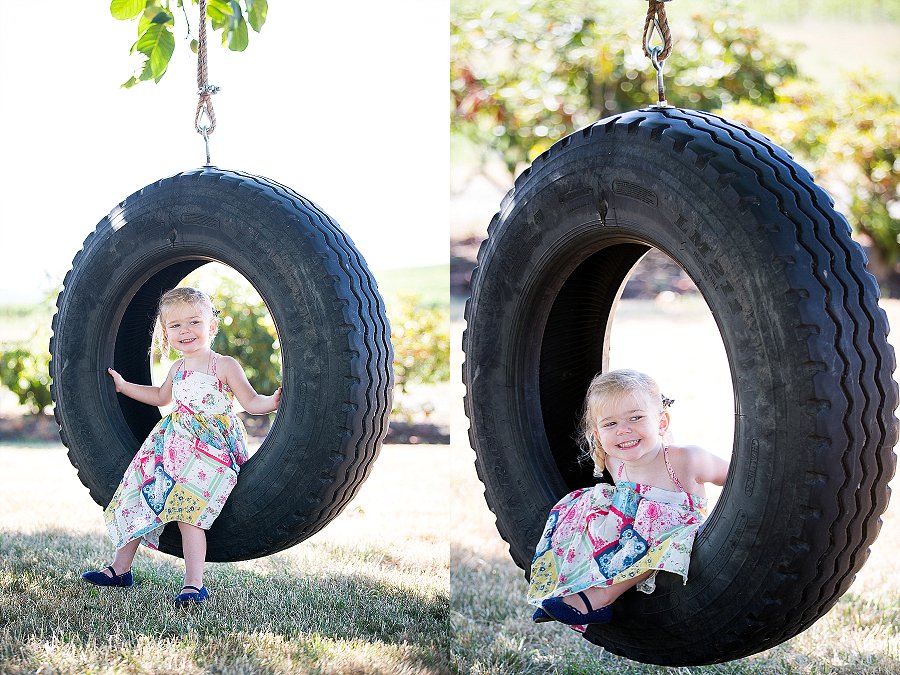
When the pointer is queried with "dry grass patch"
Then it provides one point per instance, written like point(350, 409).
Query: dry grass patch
point(368, 594)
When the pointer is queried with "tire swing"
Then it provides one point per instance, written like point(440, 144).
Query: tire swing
point(806, 343)
point(331, 325)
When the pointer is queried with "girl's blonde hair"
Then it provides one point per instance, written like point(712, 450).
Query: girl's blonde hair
point(606, 388)
point(182, 295)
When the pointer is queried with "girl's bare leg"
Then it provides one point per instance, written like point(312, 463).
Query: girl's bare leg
point(601, 596)
point(193, 544)
point(124, 557)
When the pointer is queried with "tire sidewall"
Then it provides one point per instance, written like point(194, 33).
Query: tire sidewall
point(281, 247)
point(552, 224)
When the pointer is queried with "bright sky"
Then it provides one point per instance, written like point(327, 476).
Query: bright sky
point(345, 102)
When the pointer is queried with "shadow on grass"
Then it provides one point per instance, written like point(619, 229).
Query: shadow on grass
point(493, 633)
point(306, 614)
point(491, 623)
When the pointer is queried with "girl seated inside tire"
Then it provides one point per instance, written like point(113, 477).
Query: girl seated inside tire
point(602, 540)
point(189, 463)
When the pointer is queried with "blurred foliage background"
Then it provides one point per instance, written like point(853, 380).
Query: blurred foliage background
point(417, 307)
point(24, 352)
point(525, 73)
point(25, 372)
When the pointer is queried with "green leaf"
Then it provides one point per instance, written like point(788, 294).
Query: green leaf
point(157, 44)
point(256, 13)
point(123, 10)
point(219, 13)
point(236, 37)
point(162, 16)
point(145, 74)
point(217, 20)
point(154, 14)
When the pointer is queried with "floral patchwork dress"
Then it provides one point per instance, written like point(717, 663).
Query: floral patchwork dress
point(605, 534)
point(186, 468)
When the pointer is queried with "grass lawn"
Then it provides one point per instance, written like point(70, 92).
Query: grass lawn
point(492, 631)
point(368, 594)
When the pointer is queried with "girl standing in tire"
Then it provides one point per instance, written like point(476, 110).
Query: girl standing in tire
point(603, 540)
point(189, 463)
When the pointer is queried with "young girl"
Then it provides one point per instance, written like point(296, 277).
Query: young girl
point(601, 541)
point(189, 463)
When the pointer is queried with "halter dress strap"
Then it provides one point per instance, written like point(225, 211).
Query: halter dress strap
point(221, 385)
point(674, 477)
point(671, 470)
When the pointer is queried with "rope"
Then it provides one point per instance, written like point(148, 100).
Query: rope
point(204, 89)
point(656, 18)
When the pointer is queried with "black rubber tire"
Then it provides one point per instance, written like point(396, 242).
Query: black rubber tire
point(332, 329)
point(805, 338)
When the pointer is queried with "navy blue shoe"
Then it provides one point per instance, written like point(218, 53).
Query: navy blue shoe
point(564, 613)
point(197, 597)
point(98, 578)
point(540, 616)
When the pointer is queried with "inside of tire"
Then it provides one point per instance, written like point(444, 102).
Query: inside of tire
point(132, 357)
point(132, 342)
point(582, 337)
point(575, 347)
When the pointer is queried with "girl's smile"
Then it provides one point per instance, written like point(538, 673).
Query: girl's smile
point(188, 329)
point(631, 428)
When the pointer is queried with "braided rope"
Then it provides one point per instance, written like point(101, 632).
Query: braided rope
point(656, 18)
point(204, 89)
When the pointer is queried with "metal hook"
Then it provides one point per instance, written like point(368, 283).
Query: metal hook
point(660, 85)
point(204, 126)
point(204, 131)
point(204, 121)
point(652, 25)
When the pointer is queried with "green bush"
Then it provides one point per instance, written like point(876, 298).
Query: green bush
point(421, 338)
point(24, 353)
point(247, 333)
point(26, 374)
point(420, 333)
point(524, 76)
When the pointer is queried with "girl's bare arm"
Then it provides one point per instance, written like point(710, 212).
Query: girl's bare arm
point(231, 373)
point(158, 396)
point(709, 467)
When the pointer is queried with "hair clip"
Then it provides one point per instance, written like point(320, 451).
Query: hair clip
point(215, 312)
point(667, 401)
